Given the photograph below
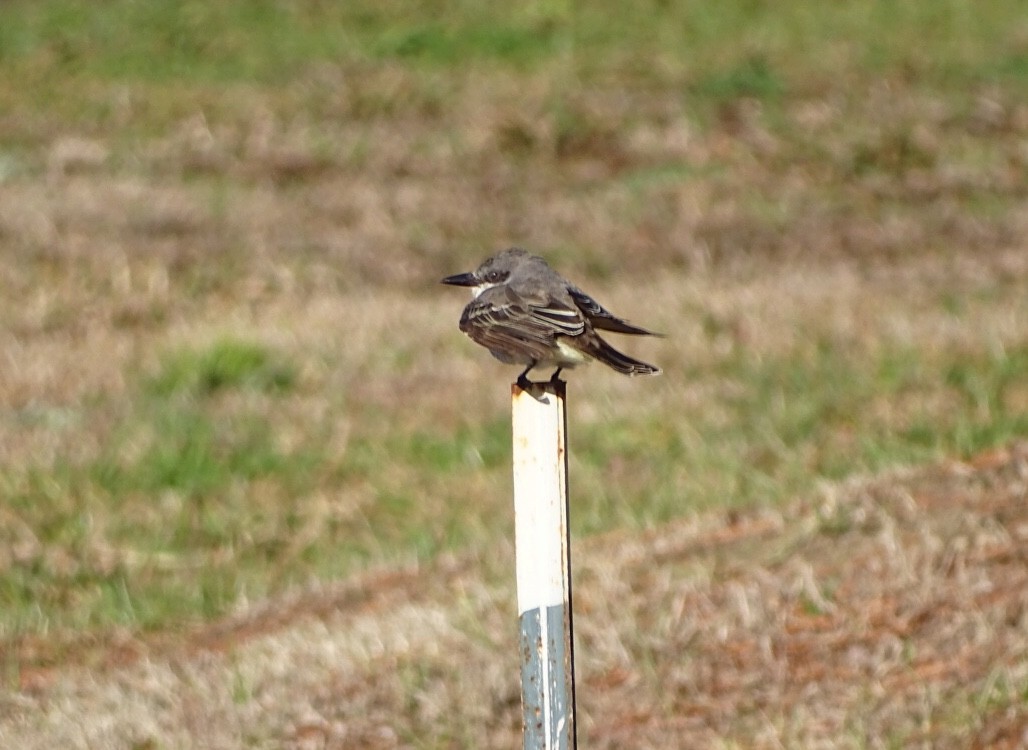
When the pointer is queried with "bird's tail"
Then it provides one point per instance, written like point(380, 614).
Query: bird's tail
point(619, 361)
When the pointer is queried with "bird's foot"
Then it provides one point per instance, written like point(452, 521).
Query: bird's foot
point(524, 383)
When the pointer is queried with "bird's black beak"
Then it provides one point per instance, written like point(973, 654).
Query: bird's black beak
point(460, 279)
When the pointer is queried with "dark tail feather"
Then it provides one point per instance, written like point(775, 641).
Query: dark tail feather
point(619, 361)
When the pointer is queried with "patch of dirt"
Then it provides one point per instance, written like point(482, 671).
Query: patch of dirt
point(886, 612)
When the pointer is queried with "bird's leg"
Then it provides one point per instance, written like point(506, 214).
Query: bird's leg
point(523, 382)
point(555, 377)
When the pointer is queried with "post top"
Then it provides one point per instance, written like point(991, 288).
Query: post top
point(539, 390)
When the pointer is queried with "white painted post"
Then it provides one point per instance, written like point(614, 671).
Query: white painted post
point(543, 561)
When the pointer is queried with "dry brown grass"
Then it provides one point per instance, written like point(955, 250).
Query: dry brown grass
point(886, 612)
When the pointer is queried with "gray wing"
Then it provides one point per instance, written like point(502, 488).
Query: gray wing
point(601, 317)
point(504, 320)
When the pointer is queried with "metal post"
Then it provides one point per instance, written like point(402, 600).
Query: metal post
point(543, 560)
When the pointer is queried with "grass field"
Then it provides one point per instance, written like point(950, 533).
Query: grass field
point(229, 373)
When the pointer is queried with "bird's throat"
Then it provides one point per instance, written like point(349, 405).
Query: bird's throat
point(476, 291)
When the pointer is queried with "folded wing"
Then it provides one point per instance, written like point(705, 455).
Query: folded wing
point(501, 319)
point(601, 317)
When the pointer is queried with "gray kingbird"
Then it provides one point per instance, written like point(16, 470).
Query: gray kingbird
point(526, 313)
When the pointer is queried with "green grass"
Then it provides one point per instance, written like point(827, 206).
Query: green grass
point(71, 58)
point(226, 364)
point(170, 492)
point(193, 503)
point(783, 425)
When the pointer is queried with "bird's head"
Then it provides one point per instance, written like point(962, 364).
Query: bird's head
point(493, 271)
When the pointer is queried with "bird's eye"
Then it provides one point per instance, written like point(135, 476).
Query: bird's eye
point(493, 276)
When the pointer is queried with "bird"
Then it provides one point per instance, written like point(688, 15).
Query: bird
point(526, 313)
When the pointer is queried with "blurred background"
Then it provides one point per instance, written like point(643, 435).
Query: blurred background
point(229, 372)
